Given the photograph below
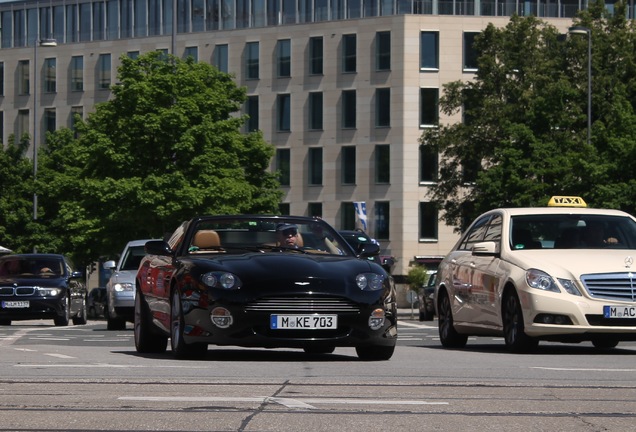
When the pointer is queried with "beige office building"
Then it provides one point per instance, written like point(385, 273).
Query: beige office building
point(342, 88)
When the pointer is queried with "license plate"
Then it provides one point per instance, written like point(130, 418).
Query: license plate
point(15, 304)
point(619, 311)
point(303, 322)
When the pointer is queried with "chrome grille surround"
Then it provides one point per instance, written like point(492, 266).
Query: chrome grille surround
point(302, 304)
point(611, 286)
point(17, 291)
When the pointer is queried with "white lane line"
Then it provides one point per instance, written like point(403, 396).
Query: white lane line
point(62, 356)
point(49, 339)
point(290, 403)
point(415, 325)
point(584, 369)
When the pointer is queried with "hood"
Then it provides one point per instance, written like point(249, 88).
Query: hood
point(572, 263)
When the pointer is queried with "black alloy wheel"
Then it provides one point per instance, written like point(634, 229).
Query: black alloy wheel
point(517, 341)
point(145, 340)
point(448, 336)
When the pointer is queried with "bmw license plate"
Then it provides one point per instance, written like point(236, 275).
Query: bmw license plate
point(619, 311)
point(15, 304)
point(303, 322)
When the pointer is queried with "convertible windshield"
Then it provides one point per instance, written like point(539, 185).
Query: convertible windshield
point(572, 231)
point(235, 235)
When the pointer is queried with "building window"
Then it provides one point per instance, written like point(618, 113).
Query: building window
point(347, 216)
point(349, 109)
point(1, 83)
point(134, 55)
point(429, 50)
point(349, 53)
point(103, 81)
point(429, 107)
point(22, 125)
point(428, 164)
point(221, 54)
point(314, 209)
point(382, 163)
point(383, 107)
point(49, 120)
point(283, 208)
point(315, 55)
point(251, 109)
point(428, 221)
point(382, 220)
point(50, 84)
point(252, 60)
point(191, 52)
point(23, 77)
point(315, 166)
point(383, 51)
point(348, 158)
point(284, 58)
point(77, 73)
point(315, 110)
point(283, 166)
point(2, 127)
point(283, 112)
point(470, 55)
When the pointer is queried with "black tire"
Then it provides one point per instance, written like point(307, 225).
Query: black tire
point(604, 343)
point(517, 341)
point(92, 313)
point(375, 353)
point(81, 317)
point(62, 321)
point(448, 336)
point(425, 314)
point(5, 322)
point(115, 324)
point(180, 349)
point(146, 341)
point(319, 350)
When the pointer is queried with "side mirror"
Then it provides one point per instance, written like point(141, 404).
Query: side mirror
point(77, 275)
point(158, 247)
point(369, 249)
point(485, 248)
point(109, 265)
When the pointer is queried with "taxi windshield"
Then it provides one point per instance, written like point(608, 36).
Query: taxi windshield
point(572, 231)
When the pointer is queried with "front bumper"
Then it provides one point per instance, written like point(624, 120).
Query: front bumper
point(38, 308)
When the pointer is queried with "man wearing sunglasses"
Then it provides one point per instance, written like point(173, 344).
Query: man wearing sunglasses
point(287, 235)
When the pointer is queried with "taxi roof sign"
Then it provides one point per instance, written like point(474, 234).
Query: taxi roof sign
point(566, 201)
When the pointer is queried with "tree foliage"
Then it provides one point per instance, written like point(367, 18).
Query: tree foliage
point(523, 137)
point(165, 148)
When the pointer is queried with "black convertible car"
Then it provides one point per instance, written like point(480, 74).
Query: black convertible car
point(263, 281)
point(41, 286)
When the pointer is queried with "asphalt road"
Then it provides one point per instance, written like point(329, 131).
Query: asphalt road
point(81, 378)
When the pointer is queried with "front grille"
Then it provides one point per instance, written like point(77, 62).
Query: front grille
point(302, 305)
point(19, 291)
point(611, 286)
point(600, 320)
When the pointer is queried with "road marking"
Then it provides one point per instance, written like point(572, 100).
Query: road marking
point(62, 356)
point(415, 325)
point(50, 339)
point(290, 403)
point(584, 369)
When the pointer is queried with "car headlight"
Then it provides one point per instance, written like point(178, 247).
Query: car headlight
point(541, 280)
point(48, 292)
point(370, 281)
point(123, 287)
point(222, 280)
point(570, 287)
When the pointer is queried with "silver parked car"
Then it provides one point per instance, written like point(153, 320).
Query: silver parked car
point(120, 288)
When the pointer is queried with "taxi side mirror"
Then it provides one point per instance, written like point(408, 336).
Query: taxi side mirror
point(488, 248)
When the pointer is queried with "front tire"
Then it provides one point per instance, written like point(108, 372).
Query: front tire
point(62, 321)
point(81, 317)
point(517, 341)
point(604, 343)
point(448, 336)
point(146, 341)
point(319, 350)
point(180, 349)
point(375, 353)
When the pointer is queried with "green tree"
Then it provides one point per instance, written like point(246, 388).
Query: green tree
point(165, 148)
point(523, 138)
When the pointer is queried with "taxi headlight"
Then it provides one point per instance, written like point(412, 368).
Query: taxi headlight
point(222, 280)
point(370, 281)
point(570, 287)
point(541, 280)
point(123, 286)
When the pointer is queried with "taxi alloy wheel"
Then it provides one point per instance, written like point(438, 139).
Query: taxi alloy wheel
point(448, 336)
point(517, 340)
point(180, 348)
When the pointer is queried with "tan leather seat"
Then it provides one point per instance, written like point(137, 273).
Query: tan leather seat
point(206, 239)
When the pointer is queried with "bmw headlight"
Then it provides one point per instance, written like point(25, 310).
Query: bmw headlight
point(222, 280)
point(123, 286)
point(370, 281)
point(48, 292)
point(541, 280)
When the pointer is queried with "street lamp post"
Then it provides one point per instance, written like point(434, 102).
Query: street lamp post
point(43, 43)
point(586, 31)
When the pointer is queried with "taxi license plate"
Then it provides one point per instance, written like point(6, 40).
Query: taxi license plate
point(619, 311)
point(303, 322)
point(15, 304)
